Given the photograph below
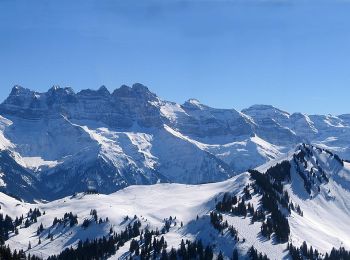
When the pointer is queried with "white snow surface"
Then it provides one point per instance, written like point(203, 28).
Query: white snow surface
point(325, 223)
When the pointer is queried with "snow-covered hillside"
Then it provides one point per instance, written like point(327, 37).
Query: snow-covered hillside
point(317, 184)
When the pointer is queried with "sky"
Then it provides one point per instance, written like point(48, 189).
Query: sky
point(293, 54)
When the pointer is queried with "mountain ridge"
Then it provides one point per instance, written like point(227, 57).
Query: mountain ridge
point(130, 136)
point(139, 87)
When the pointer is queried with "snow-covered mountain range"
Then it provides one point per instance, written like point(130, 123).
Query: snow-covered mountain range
point(54, 143)
point(254, 184)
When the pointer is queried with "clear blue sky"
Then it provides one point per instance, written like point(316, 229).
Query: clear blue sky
point(288, 53)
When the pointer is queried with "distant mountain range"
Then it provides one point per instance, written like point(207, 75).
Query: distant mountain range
point(54, 143)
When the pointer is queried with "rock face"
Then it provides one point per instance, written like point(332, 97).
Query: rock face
point(59, 140)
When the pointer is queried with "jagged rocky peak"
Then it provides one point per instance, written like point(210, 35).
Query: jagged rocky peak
point(59, 95)
point(27, 99)
point(122, 108)
point(29, 103)
point(56, 89)
point(28, 95)
point(20, 96)
point(138, 91)
point(102, 91)
point(19, 90)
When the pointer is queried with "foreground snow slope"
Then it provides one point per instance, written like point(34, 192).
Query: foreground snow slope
point(325, 222)
point(151, 203)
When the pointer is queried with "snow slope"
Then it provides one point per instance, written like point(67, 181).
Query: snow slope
point(151, 203)
point(325, 222)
